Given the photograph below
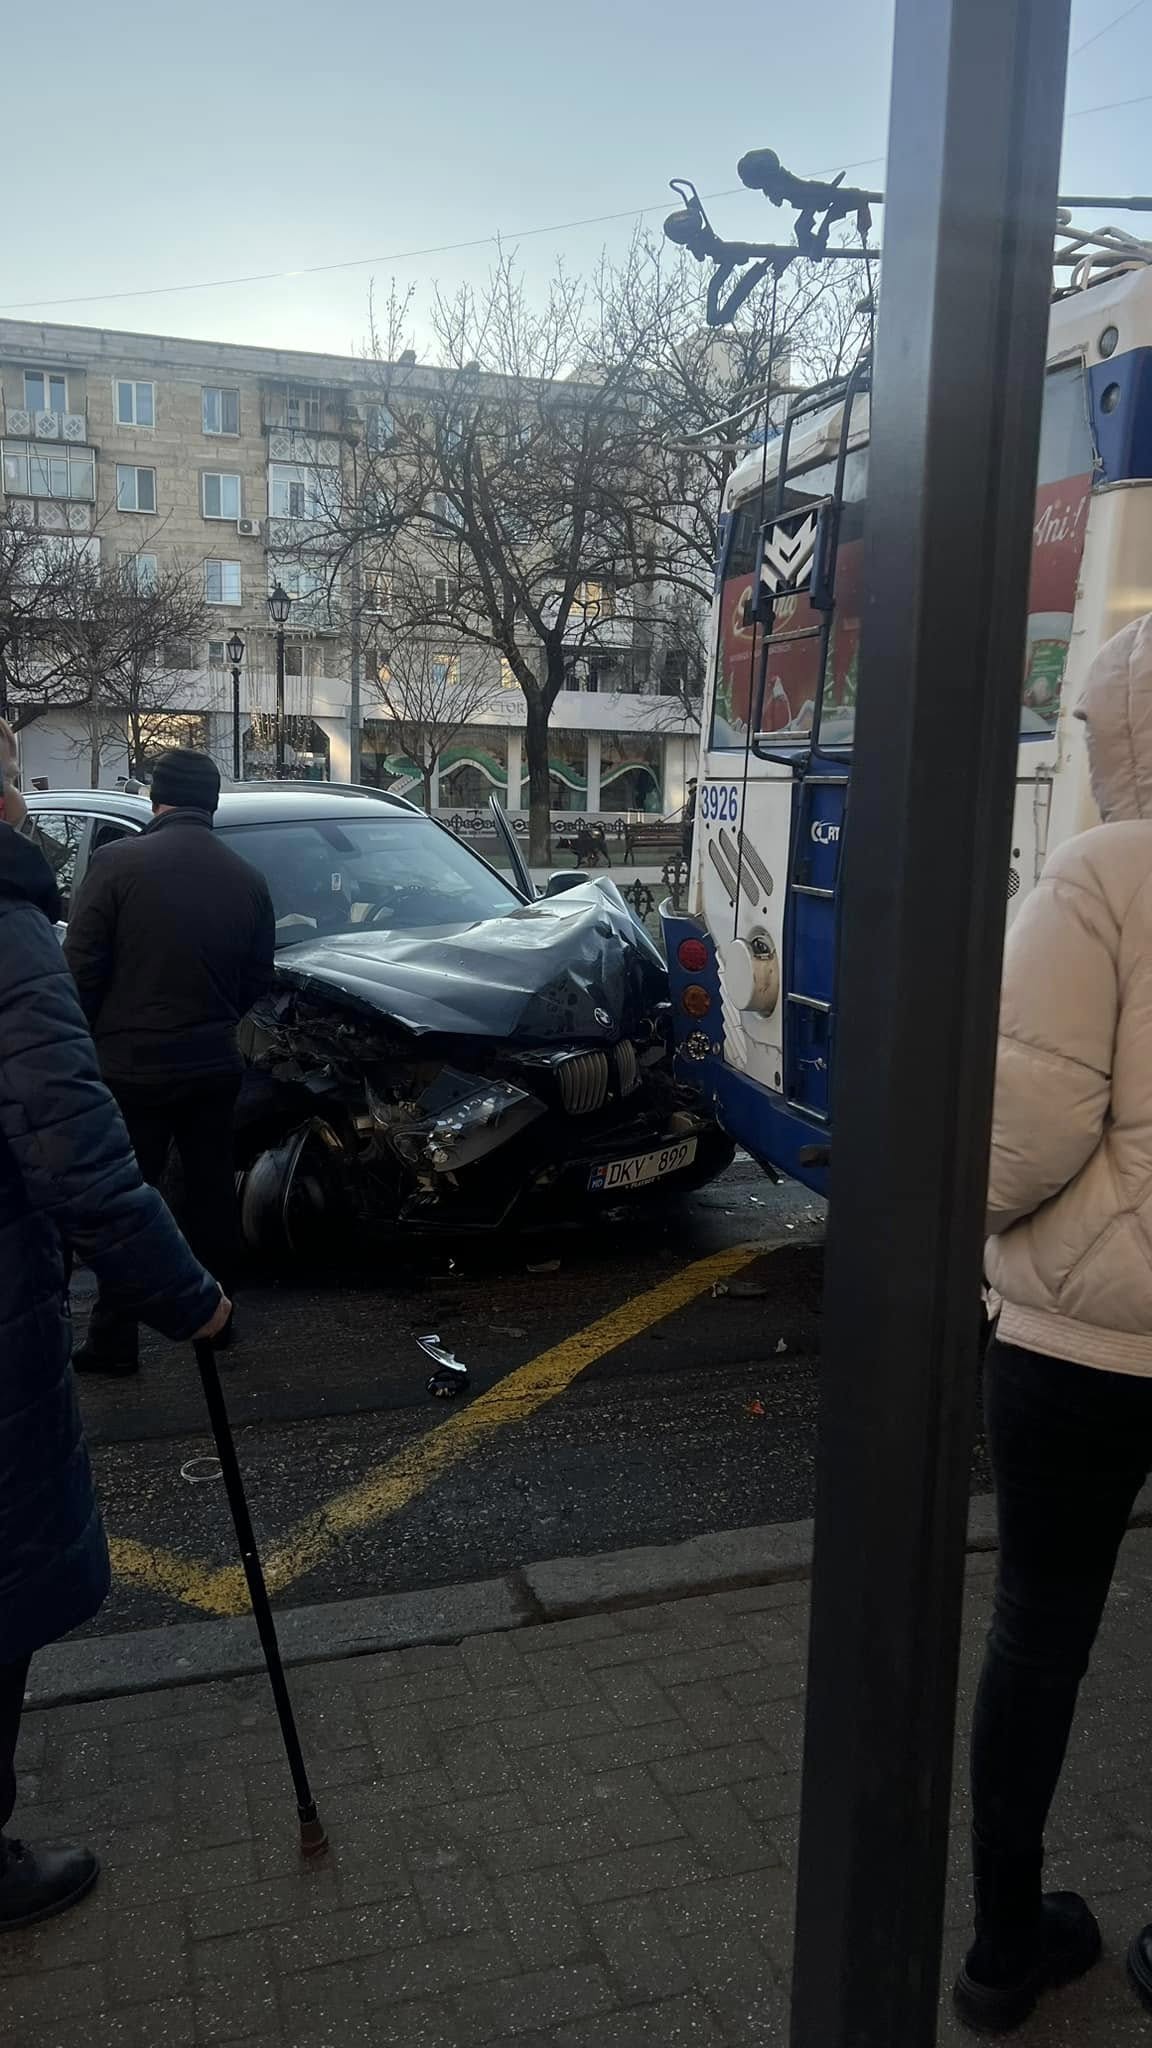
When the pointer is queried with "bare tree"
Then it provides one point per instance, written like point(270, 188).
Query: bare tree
point(162, 621)
point(707, 395)
point(680, 658)
point(500, 485)
point(39, 574)
point(122, 643)
point(431, 696)
point(554, 455)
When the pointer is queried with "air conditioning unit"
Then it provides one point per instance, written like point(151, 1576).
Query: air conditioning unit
point(248, 529)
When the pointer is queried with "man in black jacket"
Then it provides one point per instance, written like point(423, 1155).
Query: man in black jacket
point(171, 940)
point(67, 1175)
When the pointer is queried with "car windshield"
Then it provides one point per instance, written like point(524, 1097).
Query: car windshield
point(398, 873)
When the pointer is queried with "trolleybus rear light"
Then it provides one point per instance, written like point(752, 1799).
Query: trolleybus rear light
point(696, 1000)
point(692, 955)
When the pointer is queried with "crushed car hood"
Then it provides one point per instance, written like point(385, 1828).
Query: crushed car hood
point(571, 966)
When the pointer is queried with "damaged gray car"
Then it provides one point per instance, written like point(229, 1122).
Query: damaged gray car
point(442, 1050)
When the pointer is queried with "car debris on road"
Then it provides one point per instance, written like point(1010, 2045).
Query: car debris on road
point(451, 1376)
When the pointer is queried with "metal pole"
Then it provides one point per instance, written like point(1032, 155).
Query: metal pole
point(236, 761)
point(313, 1840)
point(280, 701)
point(4, 638)
point(975, 140)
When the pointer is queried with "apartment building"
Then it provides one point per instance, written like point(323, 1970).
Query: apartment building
point(160, 450)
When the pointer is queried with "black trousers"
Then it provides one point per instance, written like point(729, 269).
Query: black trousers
point(1070, 1449)
point(13, 1679)
point(196, 1117)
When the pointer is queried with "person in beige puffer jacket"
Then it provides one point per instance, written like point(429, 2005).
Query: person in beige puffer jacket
point(1068, 1376)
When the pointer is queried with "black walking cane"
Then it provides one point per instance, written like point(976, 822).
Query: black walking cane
point(313, 1840)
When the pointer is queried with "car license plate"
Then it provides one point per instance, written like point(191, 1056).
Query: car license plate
point(636, 1173)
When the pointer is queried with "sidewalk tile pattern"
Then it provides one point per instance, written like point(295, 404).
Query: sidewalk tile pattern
point(579, 1835)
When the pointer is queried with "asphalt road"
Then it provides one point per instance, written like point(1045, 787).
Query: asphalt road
point(702, 1420)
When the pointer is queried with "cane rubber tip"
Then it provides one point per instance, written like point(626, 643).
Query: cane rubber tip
point(313, 1839)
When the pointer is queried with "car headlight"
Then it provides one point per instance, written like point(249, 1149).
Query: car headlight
point(464, 1119)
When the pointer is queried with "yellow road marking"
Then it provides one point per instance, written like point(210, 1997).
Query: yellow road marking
point(179, 1576)
point(403, 1478)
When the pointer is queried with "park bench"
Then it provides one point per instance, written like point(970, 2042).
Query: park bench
point(654, 835)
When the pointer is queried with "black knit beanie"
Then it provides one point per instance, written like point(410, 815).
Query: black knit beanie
point(186, 780)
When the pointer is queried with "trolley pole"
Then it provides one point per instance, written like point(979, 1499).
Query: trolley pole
point(978, 91)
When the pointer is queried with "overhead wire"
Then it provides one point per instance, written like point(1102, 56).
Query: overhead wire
point(454, 248)
point(1108, 26)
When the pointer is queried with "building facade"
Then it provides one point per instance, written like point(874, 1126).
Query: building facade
point(161, 451)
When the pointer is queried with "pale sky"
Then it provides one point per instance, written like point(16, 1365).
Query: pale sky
point(154, 146)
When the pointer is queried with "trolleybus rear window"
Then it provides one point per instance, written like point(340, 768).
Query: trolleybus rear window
point(793, 668)
point(1063, 491)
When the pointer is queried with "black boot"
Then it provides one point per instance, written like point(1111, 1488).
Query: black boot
point(1003, 1976)
point(36, 1883)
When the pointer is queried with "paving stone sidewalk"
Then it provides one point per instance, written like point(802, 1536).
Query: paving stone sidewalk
point(579, 1835)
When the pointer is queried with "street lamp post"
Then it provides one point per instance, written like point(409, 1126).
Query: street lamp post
point(5, 637)
point(279, 606)
point(235, 653)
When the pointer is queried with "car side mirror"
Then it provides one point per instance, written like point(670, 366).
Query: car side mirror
point(563, 880)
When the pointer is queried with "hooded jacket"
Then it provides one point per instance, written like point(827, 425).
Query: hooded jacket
point(66, 1171)
point(1070, 1196)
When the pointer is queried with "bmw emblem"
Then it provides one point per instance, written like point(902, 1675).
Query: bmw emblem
point(603, 1017)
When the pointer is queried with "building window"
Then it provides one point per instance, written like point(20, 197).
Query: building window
point(632, 772)
point(138, 571)
point(295, 491)
point(474, 766)
point(445, 670)
point(221, 410)
point(441, 507)
point(135, 488)
point(381, 427)
point(222, 582)
point(378, 594)
point(305, 409)
point(216, 658)
point(304, 583)
point(34, 471)
point(45, 391)
point(293, 658)
point(508, 677)
point(567, 772)
point(308, 753)
point(220, 495)
point(177, 655)
point(166, 729)
point(314, 590)
point(595, 601)
point(135, 405)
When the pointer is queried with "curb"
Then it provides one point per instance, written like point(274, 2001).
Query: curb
point(195, 1652)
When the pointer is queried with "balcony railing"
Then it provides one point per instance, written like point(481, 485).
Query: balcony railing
point(287, 534)
point(52, 515)
point(302, 444)
point(26, 423)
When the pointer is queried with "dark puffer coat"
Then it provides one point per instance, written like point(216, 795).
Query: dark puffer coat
point(66, 1172)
